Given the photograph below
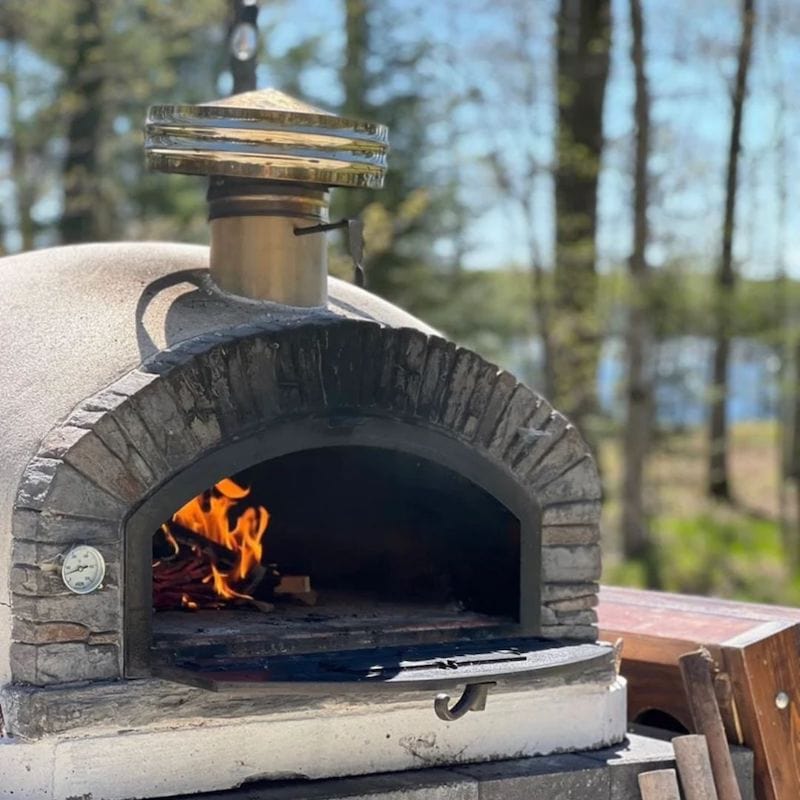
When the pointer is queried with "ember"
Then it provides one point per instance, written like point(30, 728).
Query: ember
point(209, 554)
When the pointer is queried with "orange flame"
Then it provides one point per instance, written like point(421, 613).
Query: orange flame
point(208, 515)
point(187, 602)
point(219, 580)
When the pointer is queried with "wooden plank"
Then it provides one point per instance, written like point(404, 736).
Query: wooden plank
point(696, 669)
point(659, 627)
point(293, 584)
point(756, 647)
point(617, 595)
point(654, 686)
point(694, 767)
point(659, 784)
point(759, 673)
point(660, 639)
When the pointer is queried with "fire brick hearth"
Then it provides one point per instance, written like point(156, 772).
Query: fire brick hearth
point(421, 575)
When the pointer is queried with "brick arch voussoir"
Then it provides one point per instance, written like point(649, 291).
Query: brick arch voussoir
point(120, 444)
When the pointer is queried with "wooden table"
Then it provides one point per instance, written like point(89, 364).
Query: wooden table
point(757, 650)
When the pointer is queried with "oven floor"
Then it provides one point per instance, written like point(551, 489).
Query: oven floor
point(339, 621)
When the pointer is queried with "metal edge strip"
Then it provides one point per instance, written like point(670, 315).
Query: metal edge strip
point(237, 148)
point(231, 115)
point(210, 163)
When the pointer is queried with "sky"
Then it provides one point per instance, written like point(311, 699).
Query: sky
point(690, 51)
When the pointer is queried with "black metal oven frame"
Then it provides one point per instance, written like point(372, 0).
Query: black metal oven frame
point(295, 435)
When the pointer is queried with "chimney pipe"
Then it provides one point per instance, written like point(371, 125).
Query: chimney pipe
point(271, 161)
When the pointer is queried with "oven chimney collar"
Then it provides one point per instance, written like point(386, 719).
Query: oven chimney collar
point(271, 160)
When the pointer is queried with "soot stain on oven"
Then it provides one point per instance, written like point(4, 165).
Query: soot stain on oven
point(339, 544)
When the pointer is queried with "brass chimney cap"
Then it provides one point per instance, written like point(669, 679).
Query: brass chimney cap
point(267, 135)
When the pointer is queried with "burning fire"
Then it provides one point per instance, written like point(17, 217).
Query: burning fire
point(224, 549)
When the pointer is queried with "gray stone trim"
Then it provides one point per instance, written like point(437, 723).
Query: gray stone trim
point(118, 446)
point(32, 712)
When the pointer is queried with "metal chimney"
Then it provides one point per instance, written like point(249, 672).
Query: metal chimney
point(271, 160)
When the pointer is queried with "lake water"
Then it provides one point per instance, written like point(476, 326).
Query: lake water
point(683, 367)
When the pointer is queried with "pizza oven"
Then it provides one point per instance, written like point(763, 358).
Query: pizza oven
point(257, 523)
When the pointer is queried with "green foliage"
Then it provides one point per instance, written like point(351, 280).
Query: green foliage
point(385, 51)
point(134, 55)
point(682, 298)
point(699, 546)
point(722, 554)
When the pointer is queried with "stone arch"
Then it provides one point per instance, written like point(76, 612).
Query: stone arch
point(119, 446)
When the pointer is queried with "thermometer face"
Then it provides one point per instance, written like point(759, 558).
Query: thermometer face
point(83, 569)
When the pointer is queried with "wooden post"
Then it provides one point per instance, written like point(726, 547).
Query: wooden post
point(699, 685)
point(764, 668)
point(694, 767)
point(659, 784)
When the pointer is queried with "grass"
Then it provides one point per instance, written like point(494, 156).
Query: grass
point(701, 546)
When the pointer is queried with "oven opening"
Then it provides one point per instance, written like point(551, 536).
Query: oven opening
point(335, 548)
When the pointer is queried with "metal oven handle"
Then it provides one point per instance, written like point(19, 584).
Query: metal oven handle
point(473, 699)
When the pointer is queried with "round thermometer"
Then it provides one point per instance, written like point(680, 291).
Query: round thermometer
point(83, 569)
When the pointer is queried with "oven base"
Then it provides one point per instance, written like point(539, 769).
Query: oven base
point(208, 755)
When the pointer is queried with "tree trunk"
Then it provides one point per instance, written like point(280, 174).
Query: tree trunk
point(354, 76)
point(82, 218)
point(718, 471)
point(793, 465)
point(636, 435)
point(19, 144)
point(354, 71)
point(540, 297)
point(540, 285)
point(355, 79)
point(583, 43)
point(785, 312)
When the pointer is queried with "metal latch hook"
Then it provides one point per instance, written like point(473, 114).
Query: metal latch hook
point(473, 699)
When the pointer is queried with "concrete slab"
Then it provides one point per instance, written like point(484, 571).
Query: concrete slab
point(605, 774)
point(560, 777)
point(624, 762)
point(203, 755)
point(428, 784)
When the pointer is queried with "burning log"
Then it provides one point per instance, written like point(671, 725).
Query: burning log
point(207, 556)
point(191, 577)
point(223, 557)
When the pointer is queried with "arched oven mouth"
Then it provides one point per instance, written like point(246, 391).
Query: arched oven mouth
point(374, 539)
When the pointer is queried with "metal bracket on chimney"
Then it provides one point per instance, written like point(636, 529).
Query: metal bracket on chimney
point(355, 242)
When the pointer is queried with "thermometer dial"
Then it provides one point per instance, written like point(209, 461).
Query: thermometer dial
point(83, 569)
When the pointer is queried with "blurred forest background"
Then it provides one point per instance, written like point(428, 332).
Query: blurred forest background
point(601, 196)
